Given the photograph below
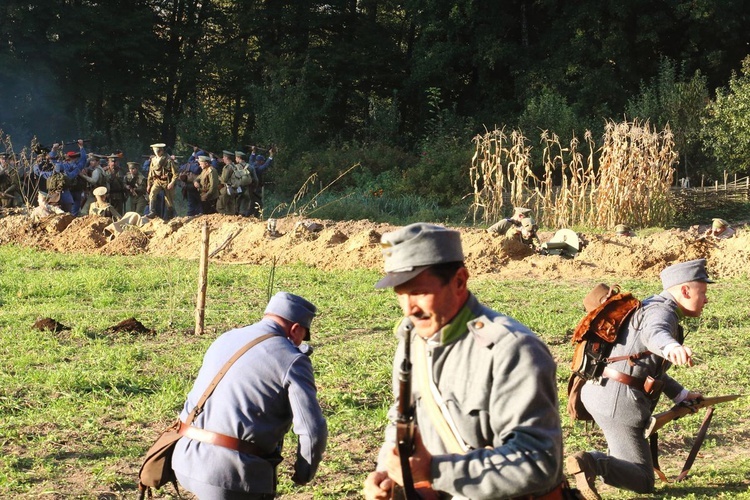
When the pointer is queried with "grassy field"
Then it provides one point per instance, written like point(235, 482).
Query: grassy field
point(79, 408)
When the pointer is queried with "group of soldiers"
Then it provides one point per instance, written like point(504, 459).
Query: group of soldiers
point(521, 226)
point(67, 182)
point(232, 185)
point(475, 410)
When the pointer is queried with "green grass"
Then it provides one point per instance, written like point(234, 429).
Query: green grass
point(79, 408)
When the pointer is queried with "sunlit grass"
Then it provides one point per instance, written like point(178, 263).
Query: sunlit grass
point(90, 402)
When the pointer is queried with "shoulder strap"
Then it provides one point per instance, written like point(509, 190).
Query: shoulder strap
point(210, 389)
point(451, 441)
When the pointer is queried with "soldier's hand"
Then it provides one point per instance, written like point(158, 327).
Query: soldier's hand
point(377, 486)
point(681, 355)
point(420, 463)
point(691, 395)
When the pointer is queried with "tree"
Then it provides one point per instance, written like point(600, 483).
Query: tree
point(672, 99)
point(727, 126)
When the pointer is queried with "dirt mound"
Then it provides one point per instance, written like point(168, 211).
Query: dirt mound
point(130, 325)
point(332, 245)
point(50, 325)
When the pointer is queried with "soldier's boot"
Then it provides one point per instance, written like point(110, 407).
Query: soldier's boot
point(582, 466)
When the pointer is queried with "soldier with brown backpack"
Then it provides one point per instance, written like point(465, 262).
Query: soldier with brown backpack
point(623, 353)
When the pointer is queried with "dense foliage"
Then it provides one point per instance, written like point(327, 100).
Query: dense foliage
point(413, 80)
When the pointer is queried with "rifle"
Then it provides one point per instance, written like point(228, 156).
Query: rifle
point(405, 418)
point(202, 149)
point(679, 410)
point(68, 143)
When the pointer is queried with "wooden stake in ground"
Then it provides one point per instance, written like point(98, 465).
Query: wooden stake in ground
point(200, 306)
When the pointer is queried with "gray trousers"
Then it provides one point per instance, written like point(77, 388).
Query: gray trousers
point(628, 464)
point(205, 491)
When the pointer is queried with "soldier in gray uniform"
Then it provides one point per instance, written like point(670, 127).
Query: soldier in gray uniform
point(622, 401)
point(502, 226)
point(491, 379)
point(267, 391)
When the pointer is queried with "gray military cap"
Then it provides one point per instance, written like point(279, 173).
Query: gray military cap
point(412, 249)
point(241, 154)
point(685, 272)
point(226, 152)
point(204, 158)
point(292, 308)
point(521, 210)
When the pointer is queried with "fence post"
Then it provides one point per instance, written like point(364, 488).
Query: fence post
point(200, 306)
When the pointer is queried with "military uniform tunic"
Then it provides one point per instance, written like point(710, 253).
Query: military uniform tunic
point(209, 189)
point(497, 380)
point(135, 186)
point(161, 172)
point(503, 226)
point(268, 390)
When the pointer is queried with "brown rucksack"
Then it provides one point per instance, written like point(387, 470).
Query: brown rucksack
point(607, 311)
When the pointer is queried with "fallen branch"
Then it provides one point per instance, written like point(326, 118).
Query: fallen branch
point(224, 244)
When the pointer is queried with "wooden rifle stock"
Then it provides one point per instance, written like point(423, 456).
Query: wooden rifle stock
point(679, 410)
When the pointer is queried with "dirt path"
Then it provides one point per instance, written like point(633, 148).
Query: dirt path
point(355, 244)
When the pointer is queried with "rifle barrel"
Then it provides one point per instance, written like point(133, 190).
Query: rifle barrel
point(679, 410)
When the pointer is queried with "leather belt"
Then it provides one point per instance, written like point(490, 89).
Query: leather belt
point(217, 439)
point(623, 378)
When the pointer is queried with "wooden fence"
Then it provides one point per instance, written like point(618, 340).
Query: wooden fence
point(731, 190)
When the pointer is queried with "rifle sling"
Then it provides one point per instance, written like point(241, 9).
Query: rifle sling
point(697, 444)
point(653, 442)
point(435, 415)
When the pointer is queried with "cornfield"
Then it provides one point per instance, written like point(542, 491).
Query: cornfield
point(626, 180)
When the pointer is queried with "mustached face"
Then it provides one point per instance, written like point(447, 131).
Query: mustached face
point(431, 303)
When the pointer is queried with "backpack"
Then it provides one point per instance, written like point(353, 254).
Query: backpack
point(608, 309)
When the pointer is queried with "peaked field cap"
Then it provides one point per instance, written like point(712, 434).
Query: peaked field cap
point(226, 152)
point(685, 272)
point(622, 228)
point(241, 154)
point(204, 158)
point(521, 210)
point(292, 308)
point(159, 145)
point(411, 249)
point(133, 164)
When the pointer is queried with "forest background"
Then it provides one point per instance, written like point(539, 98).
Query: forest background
point(397, 88)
